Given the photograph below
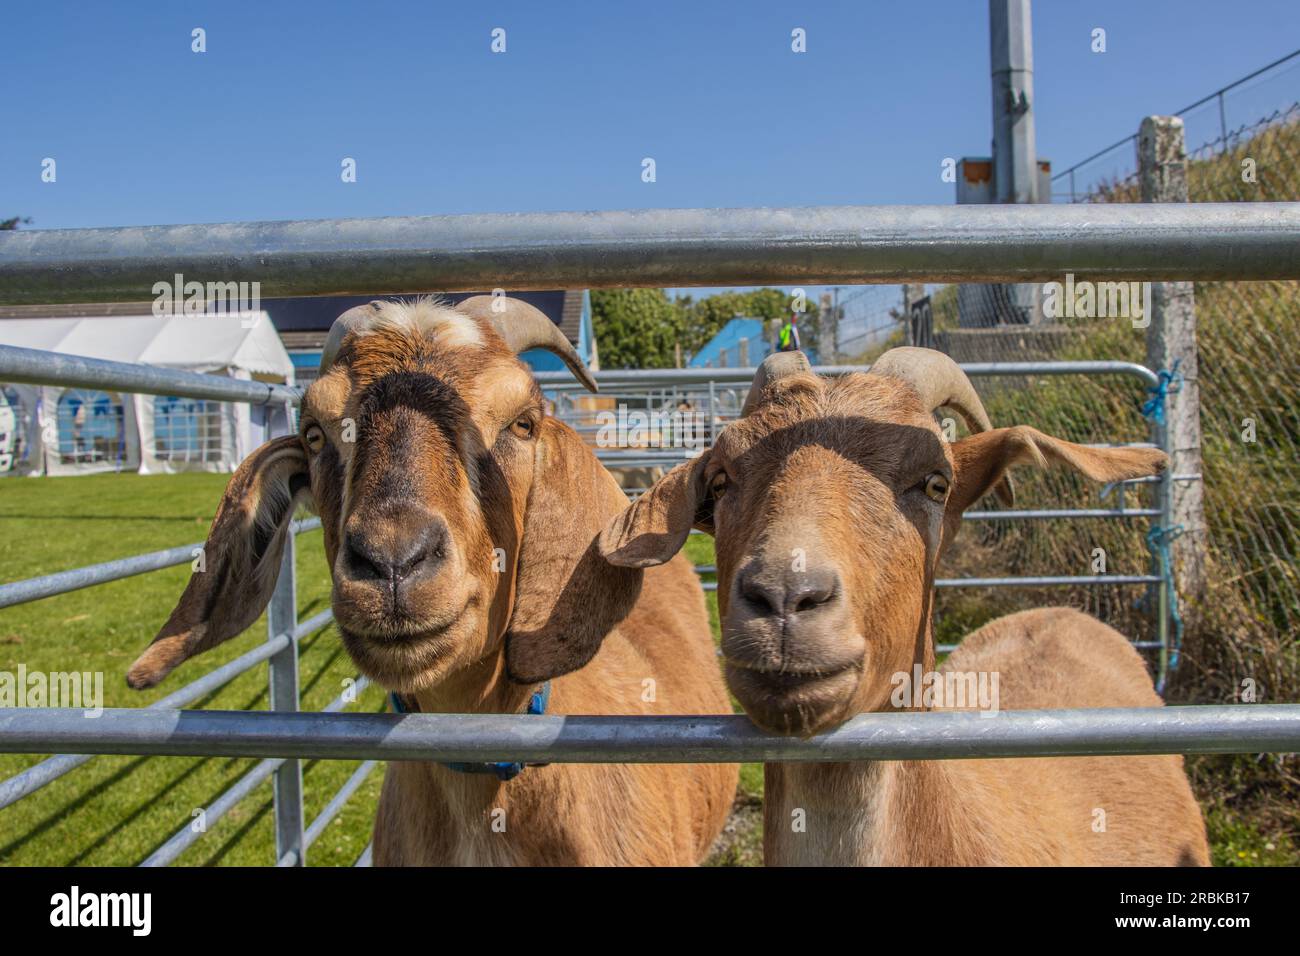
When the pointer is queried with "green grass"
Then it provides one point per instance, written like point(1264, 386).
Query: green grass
point(117, 810)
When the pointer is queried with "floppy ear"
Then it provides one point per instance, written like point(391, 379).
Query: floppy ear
point(240, 561)
point(981, 460)
point(654, 528)
point(567, 597)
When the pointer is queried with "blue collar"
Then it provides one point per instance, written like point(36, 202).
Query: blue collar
point(504, 771)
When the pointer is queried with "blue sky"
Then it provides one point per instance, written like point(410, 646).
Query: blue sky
point(146, 131)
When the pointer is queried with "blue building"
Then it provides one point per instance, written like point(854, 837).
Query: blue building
point(739, 344)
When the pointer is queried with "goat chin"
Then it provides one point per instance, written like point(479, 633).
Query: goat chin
point(795, 705)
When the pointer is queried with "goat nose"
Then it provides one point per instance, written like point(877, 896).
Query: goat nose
point(395, 556)
point(787, 593)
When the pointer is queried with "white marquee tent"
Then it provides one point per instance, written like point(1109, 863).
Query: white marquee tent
point(66, 431)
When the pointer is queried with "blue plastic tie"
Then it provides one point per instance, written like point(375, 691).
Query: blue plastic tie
point(1168, 381)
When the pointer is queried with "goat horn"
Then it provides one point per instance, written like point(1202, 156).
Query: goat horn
point(940, 382)
point(524, 327)
point(776, 366)
point(353, 320)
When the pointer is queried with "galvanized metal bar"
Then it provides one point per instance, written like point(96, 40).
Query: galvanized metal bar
point(47, 771)
point(1140, 645)
point(61, 582)
point(1241, 728)
point(743, 376)
point(38, 367)
point(188, 835)
point(1090, 580)
point(661, 247)
point(1048, 581)
point(282, 618)
point(367, 856)
point(339, 800)
point(1046, 513)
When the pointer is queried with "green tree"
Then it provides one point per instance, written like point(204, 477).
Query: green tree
point(635, 328)
point(705, 318)
point(7, 225)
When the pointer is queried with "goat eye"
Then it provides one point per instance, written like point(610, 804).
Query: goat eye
point(314, 438)
point(718, 487)
point(936, 487)
point(522, 427)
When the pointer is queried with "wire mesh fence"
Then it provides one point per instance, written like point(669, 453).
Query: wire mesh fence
point(1219, 121)
point(1242, 634)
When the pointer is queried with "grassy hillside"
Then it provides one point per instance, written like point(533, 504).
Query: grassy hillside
point(1247, 623)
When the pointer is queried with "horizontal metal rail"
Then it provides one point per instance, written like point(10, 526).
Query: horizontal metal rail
point(941, 735)
point(39, 367)
point(1140, 645)
point(650, 377)
point(662, 247)
point(1045, 513)
point(332, 809)
point(187, 835)
point(1049, 581)
point(61, 582)
point(47, 771)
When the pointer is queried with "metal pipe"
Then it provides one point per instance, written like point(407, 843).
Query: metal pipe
point(47, 771)
point(1091, 580)
point(662, 247)
point(1094, 580)
point(187, 836)
point(643, 378)
point(337, 803)
point(61, 582)
point(1061, 513)
point(1140, 645)
point(1254, 728)
point(39, 367)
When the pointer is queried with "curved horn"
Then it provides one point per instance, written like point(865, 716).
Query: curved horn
point(940, 382)
point(775, 367)
point(354, 319)
point(524, 327)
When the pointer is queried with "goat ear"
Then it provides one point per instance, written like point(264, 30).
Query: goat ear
point(567, 597)
point(239, 563)
point(654, 528)
point(981, 460)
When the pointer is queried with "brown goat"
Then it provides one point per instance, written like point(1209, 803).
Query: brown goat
point(459, 526)
point(830, 502)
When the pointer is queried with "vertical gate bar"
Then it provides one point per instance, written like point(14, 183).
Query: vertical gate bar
point(1166, 492)
point(712, 398)
point(282, 618)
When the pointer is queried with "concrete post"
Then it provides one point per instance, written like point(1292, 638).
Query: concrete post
point(1171, 338)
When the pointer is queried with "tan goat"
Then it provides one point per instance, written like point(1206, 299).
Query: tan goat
point(459, 525)
point(831, 503)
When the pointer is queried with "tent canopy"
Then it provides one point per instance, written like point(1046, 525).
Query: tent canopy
point(195, 342)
